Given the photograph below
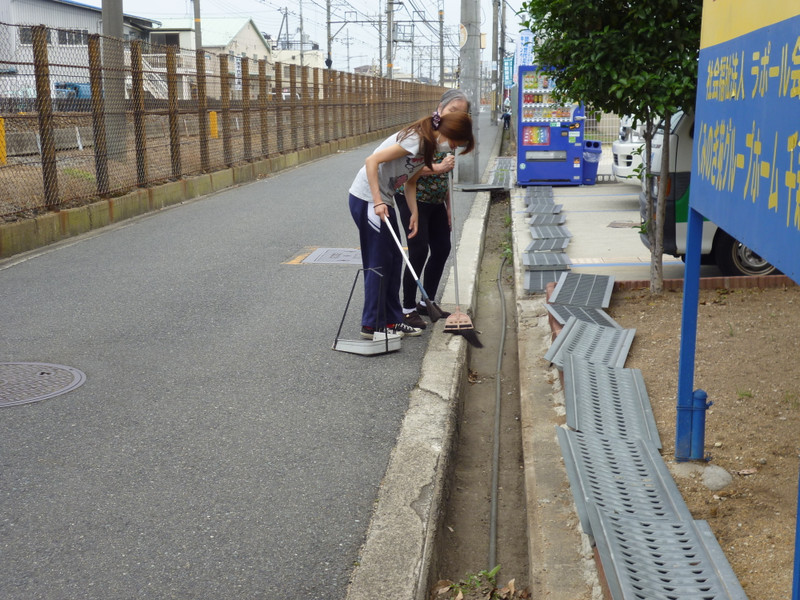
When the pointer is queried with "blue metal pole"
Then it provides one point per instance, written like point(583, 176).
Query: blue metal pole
point(691, 297)
point(700, 406)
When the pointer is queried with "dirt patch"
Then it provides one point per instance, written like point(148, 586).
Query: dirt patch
point(747, 353)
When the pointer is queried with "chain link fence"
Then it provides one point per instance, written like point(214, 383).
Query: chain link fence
point(84, 116)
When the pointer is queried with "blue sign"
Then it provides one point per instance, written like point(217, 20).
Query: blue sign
point(746, 159)
point(508, 72)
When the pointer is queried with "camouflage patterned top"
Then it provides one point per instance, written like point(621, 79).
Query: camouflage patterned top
point(432, 188)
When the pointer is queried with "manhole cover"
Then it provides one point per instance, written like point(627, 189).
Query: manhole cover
point(23, 383)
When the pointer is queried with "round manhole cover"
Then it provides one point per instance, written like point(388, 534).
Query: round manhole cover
point(23, 383)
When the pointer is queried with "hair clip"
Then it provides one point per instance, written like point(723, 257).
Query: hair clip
point(437, 118)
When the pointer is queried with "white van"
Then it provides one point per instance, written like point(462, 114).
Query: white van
point(732, 257)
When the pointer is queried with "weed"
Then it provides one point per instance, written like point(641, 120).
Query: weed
point(792, 399)
point(477, 581)
point(744, 394)
point(78, 174)
point(731, 332)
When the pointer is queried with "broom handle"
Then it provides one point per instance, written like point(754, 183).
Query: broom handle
point(407, 261)
point(455, 236)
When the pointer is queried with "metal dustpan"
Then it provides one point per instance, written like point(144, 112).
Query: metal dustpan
point(381, 343)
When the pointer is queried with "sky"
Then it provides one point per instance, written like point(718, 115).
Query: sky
point(354, 42)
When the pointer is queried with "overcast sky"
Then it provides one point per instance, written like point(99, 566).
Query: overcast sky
point(362, 38)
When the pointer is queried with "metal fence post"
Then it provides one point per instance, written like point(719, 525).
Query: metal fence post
point(278, 98)
point(225, 99)
point(137, 97)
point(172, 95)
point(293, 120)
point(262, 106)
point(202, 108)
point(247, 140)
point(316, 108)
point(44, 109)
point(305, 99)
point(98, 115)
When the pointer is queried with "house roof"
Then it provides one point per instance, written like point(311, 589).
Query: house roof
point(141, 20)
point(217, 31)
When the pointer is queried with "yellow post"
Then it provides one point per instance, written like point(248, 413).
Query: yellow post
point(212, 121)
point(3, 155)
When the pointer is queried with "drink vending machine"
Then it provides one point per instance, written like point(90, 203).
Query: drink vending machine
point(550, 136)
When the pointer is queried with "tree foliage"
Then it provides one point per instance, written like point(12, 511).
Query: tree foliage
point(636, 57)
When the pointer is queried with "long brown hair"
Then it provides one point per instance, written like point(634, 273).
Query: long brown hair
point(456, 126)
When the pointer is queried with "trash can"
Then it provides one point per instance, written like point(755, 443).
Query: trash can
point(591, 160)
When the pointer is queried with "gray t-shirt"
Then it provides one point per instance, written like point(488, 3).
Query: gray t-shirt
point(392, 174)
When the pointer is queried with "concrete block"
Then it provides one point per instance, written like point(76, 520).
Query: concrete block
point(99, 215)
point(292, 159)
point(243, 173)
point(48, 229)
point(74, 221)
point(167, 194)
point(221, 179)
point(261, 168)
point(130, 205)
point(17, 237)
point(198, 185)
point(304, 156)
point(278, 163)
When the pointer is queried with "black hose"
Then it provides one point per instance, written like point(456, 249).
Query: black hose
point(496, 449)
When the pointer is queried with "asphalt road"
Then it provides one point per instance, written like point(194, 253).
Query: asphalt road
point(219, 448)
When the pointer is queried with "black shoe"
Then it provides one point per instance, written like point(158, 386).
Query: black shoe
point(423, 310)
point(403, 329)
point(414, 320)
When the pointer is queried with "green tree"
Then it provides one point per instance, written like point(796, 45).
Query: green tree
point(636, 57)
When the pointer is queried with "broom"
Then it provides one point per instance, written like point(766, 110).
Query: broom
point(458, 322)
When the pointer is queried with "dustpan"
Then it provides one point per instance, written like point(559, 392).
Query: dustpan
point(381, 343)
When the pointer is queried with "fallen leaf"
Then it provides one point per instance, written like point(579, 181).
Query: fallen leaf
point(442, 587)
point(747, 472)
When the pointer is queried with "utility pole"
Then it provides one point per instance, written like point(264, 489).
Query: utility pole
point(329, 60)
point(301, 35)
point(503, 50)
point(389, 25)
point(441, 46)
point(198, 36)
point(495, 66)
point(468, 168)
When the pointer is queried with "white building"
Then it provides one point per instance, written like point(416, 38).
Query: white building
point(71, 24)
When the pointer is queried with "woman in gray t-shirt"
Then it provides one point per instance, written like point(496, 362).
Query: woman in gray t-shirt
point(396, 162)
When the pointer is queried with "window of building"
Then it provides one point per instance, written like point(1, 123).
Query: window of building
point(26, 36)
point(165, 39)
point(73, 37)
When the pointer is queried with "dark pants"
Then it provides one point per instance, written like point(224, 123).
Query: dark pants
point(433, 235)
point(380, 252)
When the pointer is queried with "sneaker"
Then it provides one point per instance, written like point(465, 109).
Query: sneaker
point(369, 332)
point(423, 310)
point(403, 329)
point(414, 320)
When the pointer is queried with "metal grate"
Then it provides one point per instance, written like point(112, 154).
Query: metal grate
point(583, 289)
point(340, 256)
point(608, 401)
point(623, 477)
point(544, 191)
point(543, 206)
point(542, 261)
point(662, 559)
point(562, 313)
point(550, 232)
point(547, 245)
point(544, 219)
point(594, 343)
point(536, 281)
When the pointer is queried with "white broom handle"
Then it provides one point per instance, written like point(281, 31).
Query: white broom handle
point(399, 245)
point(455, 232)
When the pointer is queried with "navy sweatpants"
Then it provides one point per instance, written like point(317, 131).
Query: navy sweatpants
point(380, 252)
